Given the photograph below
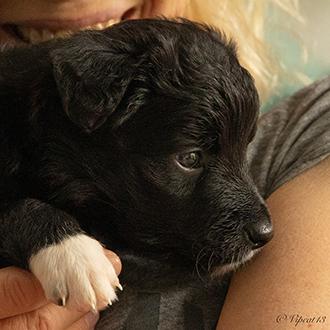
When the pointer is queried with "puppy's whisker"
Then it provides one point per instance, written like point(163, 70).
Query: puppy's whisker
point(232, 262)
point(198, 258)
point(200, 255)
point(209, 265)
point(194, 246)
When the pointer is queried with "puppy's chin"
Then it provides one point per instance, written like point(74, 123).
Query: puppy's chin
point(224, 269)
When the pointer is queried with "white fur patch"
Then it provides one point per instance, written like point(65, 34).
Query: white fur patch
point(77, 273)
point(234, 265)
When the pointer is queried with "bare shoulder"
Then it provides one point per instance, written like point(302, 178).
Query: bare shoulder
point(287, 283)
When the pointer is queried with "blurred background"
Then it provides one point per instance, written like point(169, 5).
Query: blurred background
point(288, 46)
point(317, 13)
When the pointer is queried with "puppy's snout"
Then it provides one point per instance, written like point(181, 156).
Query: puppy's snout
point(259, 233)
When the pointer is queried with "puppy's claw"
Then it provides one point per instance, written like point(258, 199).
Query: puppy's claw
point(119, 287)
point(61, 301)
point(109, 302)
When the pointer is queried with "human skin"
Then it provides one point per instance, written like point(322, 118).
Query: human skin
point(287, 284)
point(56, 15)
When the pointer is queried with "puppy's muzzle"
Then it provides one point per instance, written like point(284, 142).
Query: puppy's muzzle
point(261, 232)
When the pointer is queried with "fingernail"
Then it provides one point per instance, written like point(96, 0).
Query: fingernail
point(91, 319)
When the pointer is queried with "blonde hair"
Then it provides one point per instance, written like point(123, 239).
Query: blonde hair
point(245, 21)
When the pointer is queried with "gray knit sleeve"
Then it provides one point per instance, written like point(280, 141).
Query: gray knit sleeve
point(291, 138)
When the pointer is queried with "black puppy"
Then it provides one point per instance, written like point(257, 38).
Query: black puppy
point(137, 136)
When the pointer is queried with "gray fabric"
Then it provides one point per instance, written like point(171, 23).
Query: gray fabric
point(291, 139)
point(195, 306)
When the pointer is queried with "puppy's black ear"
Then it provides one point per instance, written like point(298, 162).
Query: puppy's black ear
point(92, 75)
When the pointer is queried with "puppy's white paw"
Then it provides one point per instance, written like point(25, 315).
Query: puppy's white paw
point(76, 273)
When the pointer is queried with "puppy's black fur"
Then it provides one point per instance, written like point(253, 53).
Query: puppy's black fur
point(136, 135)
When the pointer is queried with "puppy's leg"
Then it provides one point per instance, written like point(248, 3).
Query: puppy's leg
point(72, 267)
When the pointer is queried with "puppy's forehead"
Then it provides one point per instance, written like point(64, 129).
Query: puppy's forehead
point(187, 79)
point(168, 125)
point(183, 55)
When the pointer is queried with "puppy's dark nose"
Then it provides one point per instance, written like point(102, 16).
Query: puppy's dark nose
point(259, 233)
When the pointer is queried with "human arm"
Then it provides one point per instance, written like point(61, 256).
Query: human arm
point(288, 281)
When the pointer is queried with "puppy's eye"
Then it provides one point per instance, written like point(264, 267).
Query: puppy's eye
point(189, 160)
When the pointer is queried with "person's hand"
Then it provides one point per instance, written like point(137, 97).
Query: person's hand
point(23, 304)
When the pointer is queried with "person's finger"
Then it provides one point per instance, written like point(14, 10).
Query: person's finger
point(50, 317)
point(60, 317)
point(115, 260)
point(87, 322)
point(20, 292)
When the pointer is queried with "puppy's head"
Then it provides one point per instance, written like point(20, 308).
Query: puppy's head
point(176, 112)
